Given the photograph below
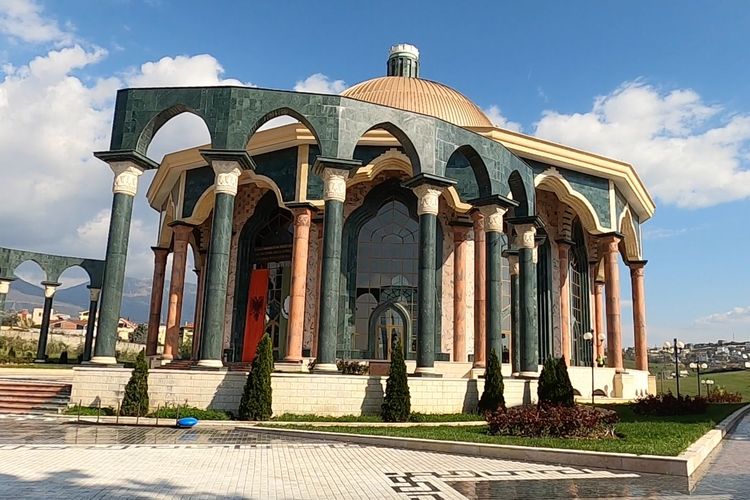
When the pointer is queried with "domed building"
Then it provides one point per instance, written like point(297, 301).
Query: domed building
point(393, 214)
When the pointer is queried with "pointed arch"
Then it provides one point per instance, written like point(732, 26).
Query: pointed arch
point(277, 113)
point(406, 143)
point(160, 119)
point(519, 193)
point(552, 180)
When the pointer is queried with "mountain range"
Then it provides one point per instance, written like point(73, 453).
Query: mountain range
point(136, 299)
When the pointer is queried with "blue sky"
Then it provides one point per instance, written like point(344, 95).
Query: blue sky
point(659, 84)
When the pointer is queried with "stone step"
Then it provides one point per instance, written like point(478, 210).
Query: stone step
point(33, 396)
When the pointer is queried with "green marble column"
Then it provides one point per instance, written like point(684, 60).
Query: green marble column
point(426, 293)
point(217, 270)
point(333, 222)
point(114, 278)
point(494, 244)
point(49, 293)
point(515, 303)
point(527, 311)
point(89, 340)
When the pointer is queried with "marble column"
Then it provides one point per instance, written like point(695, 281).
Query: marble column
point(460, 262)
point(563, 249)
point(124, 188)
point(527, 313)
point(598, 309)
point(334, 173)
point(49, 293)
point(612, 290)
point(493, 229)
point(227, 166)
point(200, 273)
point(88, 343)
point(181, 236)
point(4, 289)
point(157, 295)
point(637, 276)
point(480, 290)
point(515, 335)
point(428, 189)
point(298, 285)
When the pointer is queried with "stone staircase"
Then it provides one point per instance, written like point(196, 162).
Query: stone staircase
point(187, 364)
point(33, 396)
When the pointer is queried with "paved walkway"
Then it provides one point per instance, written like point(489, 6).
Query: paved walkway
point(42, 458)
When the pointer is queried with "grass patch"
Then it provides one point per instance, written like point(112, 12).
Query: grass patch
point(88, 411)
point(38, 366)
point(190, 411)
point(738, 381)
point(414, 417)
point(641, 435)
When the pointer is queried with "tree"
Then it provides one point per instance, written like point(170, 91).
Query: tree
point(492, 396)
point(135, 402)
point(257, 397)
point(138, 336)
point(554, 383)
point(396, 405)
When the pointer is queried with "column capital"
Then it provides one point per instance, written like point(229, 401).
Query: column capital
point(461, 230)
point(512, 256)
point(525, 236)
point(228, 165)
point(5, 284)
point(181, 228)
point(126, 177)
point(610, 242)
point(303, 212)
point(428, 188)
point(493, 208)
point(637, 267)
point(94, 293)
point(160, 251)
point(564, 242)
point(49, 288)
point(334, 172)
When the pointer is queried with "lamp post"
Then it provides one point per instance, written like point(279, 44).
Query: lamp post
point(589, 336)
point(698, 367)
point(675, 347)
point(708, 383)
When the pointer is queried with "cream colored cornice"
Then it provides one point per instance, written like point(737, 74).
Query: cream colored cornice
point(621, 173)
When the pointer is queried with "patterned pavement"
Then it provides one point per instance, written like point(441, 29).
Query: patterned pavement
point(47, 458)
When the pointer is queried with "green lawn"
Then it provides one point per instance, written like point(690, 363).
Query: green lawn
point(641, 435)
point(738, 381)
point(415, 417)
point(38, 366)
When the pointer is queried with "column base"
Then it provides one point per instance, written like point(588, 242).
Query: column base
point(527, 375)
point(103, 360)
point(214, 364)
point(326, 368)
point(426, 372)
point(293, 366)
point(40, 361)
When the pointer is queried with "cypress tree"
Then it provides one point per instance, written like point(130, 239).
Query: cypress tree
point(135, 402)
point(396, 405)
point(547, 382)
point(257, 396)
point(566, 396)
point(492, 396)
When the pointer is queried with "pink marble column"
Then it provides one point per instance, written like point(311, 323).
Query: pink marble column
point(296, 325)
point(157, 294)
point(637, 275)
point(315, 330)
point(460, 258)
point(201, 274)
point(598, 309)
point(181, 234)
point(563, 249)
point(612, 290)
point(480, 289)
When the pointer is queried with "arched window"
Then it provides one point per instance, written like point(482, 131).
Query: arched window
point(580, 321)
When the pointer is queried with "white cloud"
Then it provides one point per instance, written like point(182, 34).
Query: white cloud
point(735, 316)
point(662, 233)
point(319, 83)
point(23, 20)
point(690, 154)
point(182, 71)
point(495, 114)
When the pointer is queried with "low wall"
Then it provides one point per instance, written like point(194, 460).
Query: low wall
point(627, 385)
point(72, 340)
point(292, 393)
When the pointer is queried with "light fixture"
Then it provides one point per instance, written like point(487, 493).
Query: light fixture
point(588, 336)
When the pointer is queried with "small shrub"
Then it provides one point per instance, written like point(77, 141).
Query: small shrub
point(668, 404)
point(63, 358)
point(88, 411)
point(396, 405)
point(352, 367)
point(135, 402)
point(492, 396)
point(12, 354)
point(553, 421)
point(189, 411)
point(554, 386)
point(257, 396)
point(721, 395)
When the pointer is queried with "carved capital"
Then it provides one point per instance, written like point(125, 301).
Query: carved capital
point(126, 177)
point(525, 236)
point(493, 218)
point(513, 264)
point(94, 294)
point(302, 217)
point(429, 199)
point(637, 268)
point(4, 286)
point(227, 176)
point(334, 184)
point(49, 290)
point(611, 244)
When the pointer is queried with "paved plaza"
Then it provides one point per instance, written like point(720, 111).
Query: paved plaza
point(48, 458)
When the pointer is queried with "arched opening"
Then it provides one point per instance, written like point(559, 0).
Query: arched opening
point(580, 320)
point(263, 280)
point(26, 297)
point(468, 169)
point(404, 141)
point(380, 257)
point(519, 193)
point(182, 131)
point(389, 324)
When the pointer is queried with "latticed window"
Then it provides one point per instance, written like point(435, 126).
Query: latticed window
point(579, 298)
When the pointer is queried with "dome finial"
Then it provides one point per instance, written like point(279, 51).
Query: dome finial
point(403, 60)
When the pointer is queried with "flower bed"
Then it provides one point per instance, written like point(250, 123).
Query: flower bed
point(553, 421)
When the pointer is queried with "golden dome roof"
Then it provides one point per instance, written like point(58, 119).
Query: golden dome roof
point(421, 96)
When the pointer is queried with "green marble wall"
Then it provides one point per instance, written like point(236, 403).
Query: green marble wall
point(52, 265)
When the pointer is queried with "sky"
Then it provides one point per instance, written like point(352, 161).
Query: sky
point(662, 85)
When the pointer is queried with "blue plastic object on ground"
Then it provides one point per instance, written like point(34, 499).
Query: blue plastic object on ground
point(187, 422)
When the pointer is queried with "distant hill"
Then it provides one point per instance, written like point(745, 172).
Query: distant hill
point(135, 299)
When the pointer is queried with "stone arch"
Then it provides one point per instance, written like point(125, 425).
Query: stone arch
point(37, 263)
point(520, 194)
point(552, 180)
point(160, 119)
point(283, 111)
point(402, 137)
point(372, 325)
point(630, 242)
point(482, 181)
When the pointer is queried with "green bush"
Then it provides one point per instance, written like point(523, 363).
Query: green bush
point(396, 405)
point(190, 411)
point(135, 402)
point(553, 421)
point(63, 358)
point(554, 386)
point(186, 348)
point(88, 411)
point(257, 396)
point(492, 396)
point(352, 367)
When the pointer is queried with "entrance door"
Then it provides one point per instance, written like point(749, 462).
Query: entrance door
point(389, 328)
point(255, 322)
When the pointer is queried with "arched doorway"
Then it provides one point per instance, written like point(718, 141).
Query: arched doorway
point(263, 280)
point(580, 320)
point(389, 322)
